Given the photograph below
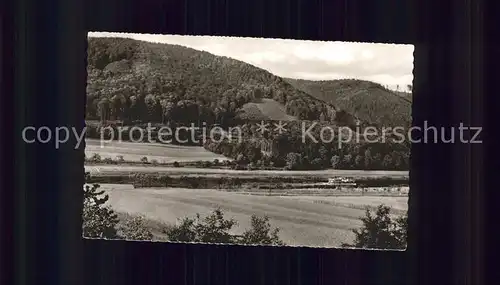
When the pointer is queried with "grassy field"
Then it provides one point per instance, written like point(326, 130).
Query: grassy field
point(399, 205)
point(163, 153)
point(302, 220)
point(266, 109)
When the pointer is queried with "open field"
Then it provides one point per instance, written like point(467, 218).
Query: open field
point(117, 170)
point(302, 222)
point(398, 204)
point(163, 153)
point(266, 109)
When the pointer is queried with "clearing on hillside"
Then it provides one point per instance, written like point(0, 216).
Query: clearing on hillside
point(265, 109)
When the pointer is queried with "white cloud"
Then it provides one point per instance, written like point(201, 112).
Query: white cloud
point(217, 49)
point(367, 54)
point(262, 57)
point(331, 53)
point(388, 64)
point(335, 53)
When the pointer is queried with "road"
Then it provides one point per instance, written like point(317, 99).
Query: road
point(301, 221)
point(112, 170)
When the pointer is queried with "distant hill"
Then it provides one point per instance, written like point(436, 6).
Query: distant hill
point(369, 101)
point(142, 81)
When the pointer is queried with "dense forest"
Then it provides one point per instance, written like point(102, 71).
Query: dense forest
point(292, 151)
point(135, 82)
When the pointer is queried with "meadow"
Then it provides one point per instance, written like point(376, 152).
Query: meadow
point(302, 220)
point(162, 153)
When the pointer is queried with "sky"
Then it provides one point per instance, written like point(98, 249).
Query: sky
point(387, 64)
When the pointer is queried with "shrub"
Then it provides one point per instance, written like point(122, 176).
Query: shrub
point(96, 157)
point(380, 231)
point(183, 232)
point(154, 162)
point(120, 158)
point(99, 220)
point(238, 167)
point(144, 159)
point(108, 160)
point(261, 233)
point(135, 228)
point(215, 228)
point(176, 164)
point(251, 166)
point(212, 229)
point(194, 183)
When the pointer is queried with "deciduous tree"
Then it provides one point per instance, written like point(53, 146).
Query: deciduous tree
point(380, 231)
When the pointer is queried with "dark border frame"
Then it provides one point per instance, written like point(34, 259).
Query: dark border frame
point(47, 73)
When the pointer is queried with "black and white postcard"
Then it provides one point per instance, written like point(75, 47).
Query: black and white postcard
point(247, 141)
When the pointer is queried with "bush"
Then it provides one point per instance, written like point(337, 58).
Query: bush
point(108, 160)
point(154, 162)
point(176, 164)
point(120, 158)
point(135, 228)
point(96, 157)
point(99, 220)
point(380, 231)
point(212, 229)
point(261, 233)
point(238, 167)
point(215, 228)
point(183, 232)
point(251, 166)
point(144, 160)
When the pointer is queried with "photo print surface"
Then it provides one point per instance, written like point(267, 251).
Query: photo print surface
point(230, 140)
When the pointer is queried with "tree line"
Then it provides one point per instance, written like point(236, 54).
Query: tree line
point(291, 151)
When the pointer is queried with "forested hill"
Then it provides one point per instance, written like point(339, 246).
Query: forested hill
point(133, 80)
point(369, 101)
point(137, 82)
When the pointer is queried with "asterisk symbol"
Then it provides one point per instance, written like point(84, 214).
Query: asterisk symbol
point(280, 127)
point(262, 127)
